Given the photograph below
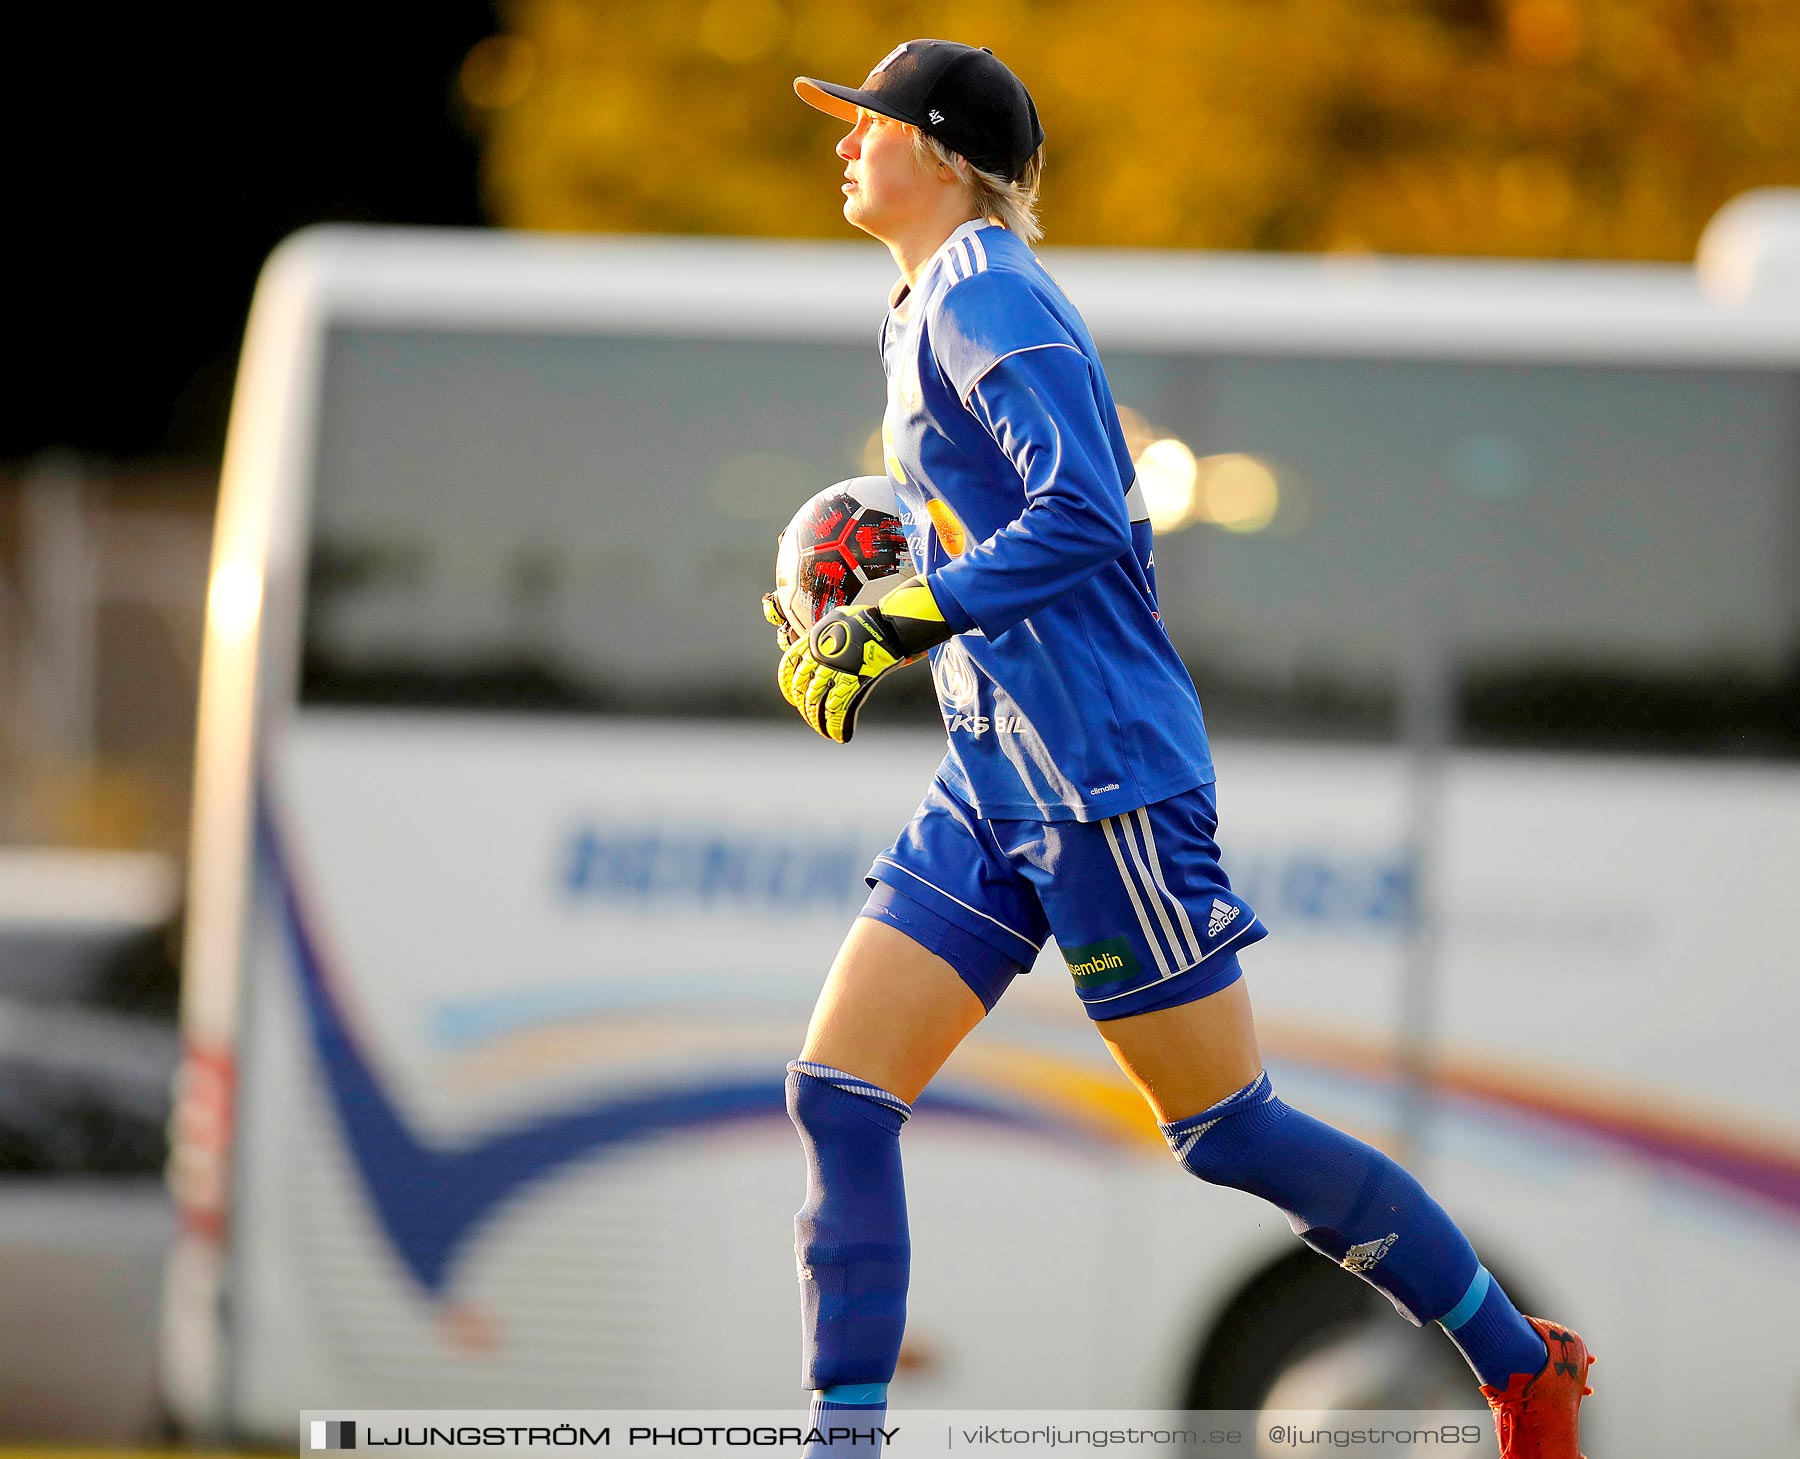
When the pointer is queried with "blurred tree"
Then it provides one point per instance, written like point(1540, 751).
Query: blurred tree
point(1596, 128)
point(164, 151)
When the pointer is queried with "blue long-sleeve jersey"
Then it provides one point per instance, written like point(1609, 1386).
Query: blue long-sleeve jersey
point(1062, 695)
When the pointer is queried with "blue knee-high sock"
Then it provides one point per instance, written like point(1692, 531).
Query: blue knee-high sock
point(1485, 1328)
point(1350, 1202)
point(851, 1241)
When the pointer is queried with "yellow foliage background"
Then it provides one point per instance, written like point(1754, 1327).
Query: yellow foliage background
point(1555, 128)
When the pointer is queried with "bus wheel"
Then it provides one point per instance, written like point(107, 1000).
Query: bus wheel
point(1305, 1335)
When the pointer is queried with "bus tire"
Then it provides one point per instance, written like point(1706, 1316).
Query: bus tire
point(1307, 1334)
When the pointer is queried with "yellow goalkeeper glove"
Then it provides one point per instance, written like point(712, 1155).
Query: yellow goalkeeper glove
point(784, 631)
point(828, 674)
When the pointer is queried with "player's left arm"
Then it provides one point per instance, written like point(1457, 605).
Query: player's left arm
point(1040, 406)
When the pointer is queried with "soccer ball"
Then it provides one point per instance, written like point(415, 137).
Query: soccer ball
point(844, 546)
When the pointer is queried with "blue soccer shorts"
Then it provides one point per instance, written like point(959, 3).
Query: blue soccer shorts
point(1140, 907)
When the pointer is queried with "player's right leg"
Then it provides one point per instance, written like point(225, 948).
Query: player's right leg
point(1150, 928)
point(1351, 1203)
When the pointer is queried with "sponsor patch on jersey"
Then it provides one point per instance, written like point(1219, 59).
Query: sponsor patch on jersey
point(980, 724)
point(950, 530)
point(1100, 963)
point(955, 675)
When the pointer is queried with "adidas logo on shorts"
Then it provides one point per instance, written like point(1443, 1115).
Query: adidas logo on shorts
point(1223, 915)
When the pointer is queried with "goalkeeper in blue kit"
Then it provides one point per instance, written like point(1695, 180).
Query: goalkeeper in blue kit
point(1076, 797)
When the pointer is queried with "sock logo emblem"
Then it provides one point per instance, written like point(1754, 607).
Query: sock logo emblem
point(1363, 1256)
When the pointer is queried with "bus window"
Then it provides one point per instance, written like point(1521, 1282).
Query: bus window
point(586, 522)
point(565, 522)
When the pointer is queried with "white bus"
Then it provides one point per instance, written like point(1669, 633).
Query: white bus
point(513, 881)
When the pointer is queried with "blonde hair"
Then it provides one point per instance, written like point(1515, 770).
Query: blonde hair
point(1013, 205)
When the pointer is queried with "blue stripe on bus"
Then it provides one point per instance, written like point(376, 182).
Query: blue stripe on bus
point(430, 1200)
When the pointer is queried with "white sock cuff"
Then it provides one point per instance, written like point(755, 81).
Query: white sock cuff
point(850, 1084)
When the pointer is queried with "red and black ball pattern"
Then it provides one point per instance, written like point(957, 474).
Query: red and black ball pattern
point(844, 546)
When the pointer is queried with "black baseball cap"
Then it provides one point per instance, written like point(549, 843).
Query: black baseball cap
point(962, 95)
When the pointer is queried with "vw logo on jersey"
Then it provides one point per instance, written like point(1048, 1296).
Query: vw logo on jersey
point(954, 672)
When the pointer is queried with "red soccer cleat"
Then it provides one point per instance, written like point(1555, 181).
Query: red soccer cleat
point(1537, 1415)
